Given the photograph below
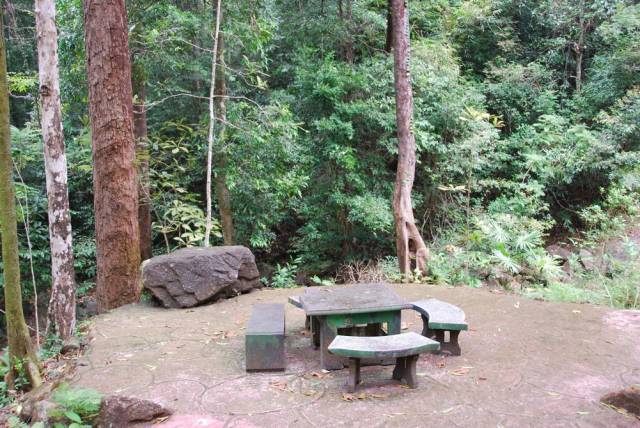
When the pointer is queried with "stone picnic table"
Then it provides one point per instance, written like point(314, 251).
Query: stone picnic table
point(333, 308)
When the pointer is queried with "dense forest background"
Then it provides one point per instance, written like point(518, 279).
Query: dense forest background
point(527, 122)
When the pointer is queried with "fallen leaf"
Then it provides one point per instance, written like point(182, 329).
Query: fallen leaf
point(348, 397)
point(576, 311)
point(160, 420)
point(482, 378)
point(441, 364)
point(461, 371)
point(309, 393)
point(378, 395)
point(553, 394)
point(281, 385)
point(362, 396)
point(318, 375)
point(517, 305)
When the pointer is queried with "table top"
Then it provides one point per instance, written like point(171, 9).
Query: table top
point(353, 299)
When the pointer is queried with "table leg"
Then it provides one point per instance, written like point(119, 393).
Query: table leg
point(327, 334)
point(394, 325)
point(315, 332)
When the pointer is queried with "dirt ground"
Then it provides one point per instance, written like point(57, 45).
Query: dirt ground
point(524, 363)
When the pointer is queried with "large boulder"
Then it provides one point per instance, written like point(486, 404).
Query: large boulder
point(193, 276)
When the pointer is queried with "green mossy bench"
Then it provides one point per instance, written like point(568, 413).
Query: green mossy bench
point(264, 338)
point(405, 348)
point(439, 317)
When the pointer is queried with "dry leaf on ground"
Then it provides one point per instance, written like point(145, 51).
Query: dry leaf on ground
point(461, 371)
point(281, 385)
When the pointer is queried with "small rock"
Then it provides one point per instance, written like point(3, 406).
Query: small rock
point(119, 411)
point(559, 252)
point(587, 260)
point(87, 307)
point(627, 399)
point(40, 411)
point(72, 344)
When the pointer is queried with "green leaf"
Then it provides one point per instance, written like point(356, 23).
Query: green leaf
point(73, 416)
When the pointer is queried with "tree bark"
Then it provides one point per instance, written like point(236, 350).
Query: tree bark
point(62, 304)
point(20, 345)
point(222, 190)
point(579, 48)
point(389, 40)
point(409, 243)
point(115, 182)
point(212, 119)
point(142, 152)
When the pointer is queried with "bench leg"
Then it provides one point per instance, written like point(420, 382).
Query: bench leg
point(426, 332)
point(354, 374)
point(406, 369)
point(452, 346)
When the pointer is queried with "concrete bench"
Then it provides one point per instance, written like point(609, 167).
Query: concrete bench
point(405, 348)
point(439, 317)
point(264, 338)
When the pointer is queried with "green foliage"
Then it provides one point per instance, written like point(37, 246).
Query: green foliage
point(510, 152)
point(76, 407)
point(20, 378)
point(285, 275)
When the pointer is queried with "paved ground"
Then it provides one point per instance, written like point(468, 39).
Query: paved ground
point(524, 363)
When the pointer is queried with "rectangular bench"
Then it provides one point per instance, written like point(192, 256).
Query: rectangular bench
point(404, 347)
point(264, 338)
point(439, 317)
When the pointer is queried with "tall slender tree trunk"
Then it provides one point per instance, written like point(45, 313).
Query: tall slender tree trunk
point(222, 190)
point(212, 119)
point(579, 46)
point(62, 304)
point(115, 181)
point(389, 36)
point(142, 151)
point(409, 243)
point(20, 345)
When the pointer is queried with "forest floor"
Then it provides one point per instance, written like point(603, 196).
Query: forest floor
point(524, 363)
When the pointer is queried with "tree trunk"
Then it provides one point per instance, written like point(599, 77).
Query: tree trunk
point(222, 191)
point(579, 48)
point(20, 346)
point(142, 152)
point(212, 119)
point(409, 243)
point(389, 40)
point(115, 182)
point(62, 305)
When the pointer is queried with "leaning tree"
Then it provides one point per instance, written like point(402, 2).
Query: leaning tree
point(20, 345)
point(409, 242)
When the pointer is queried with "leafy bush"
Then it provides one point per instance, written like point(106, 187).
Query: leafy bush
point(285, 276)
point(76, 407)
